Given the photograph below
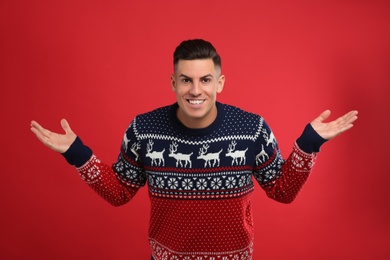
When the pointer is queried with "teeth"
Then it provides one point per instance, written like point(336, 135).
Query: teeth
point(196, 102)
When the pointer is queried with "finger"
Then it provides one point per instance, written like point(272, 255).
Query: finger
point(352, 116)
point(348, 118)
point(41, 133)
point(35, 125)
point(345, 128)
point(345, 122)
point(39, 130)
point(65, 125)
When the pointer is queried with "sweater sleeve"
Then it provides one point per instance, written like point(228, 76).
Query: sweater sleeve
point(109, 182)
point(310, 141)
point(283, 179)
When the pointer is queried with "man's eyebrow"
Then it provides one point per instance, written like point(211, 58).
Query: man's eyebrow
point(185, 76)
point(206, 76)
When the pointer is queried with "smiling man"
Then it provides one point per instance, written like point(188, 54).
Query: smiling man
point(196, 83)
point(198, 157)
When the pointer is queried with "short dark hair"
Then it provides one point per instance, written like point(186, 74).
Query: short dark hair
point(196, 49)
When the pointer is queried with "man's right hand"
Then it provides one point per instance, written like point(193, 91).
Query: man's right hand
point(58, 142)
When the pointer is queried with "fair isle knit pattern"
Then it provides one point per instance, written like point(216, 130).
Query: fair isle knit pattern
point(200, 180)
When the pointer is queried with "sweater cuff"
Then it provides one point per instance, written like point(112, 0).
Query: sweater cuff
point(78, 153)
point(310, 141)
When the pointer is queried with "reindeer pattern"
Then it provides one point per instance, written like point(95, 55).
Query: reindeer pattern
point(205, 153)
point(181, 159)
point(238, 157)
point(156, 157)
point(225, 159)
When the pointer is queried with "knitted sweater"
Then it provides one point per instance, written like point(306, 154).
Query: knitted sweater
point(200, 181)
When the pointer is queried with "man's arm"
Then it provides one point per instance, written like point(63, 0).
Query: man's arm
point(99, 176)
point(308, 141)
point(290, 175)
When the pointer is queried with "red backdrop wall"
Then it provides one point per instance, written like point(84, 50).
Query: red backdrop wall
point(99, 63)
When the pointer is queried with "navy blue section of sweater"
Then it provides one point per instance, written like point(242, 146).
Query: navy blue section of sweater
point(78, 153)
point(310, 141)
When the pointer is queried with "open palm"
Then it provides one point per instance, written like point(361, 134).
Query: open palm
point(58, 142)
point(334, 128)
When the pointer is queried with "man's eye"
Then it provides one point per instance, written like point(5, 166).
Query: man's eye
point(206, 80)
point(186, 80)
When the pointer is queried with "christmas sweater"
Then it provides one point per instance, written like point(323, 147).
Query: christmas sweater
point(200, 181)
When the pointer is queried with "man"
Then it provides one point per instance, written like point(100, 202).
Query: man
point(198, 157)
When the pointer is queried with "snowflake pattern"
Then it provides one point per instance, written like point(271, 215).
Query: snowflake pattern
point(119, 166)
point(216, 183)
point(187, 184)
point(209, 183)
point(201, 184)
point(230, 182)
point(160, 182)
point(163, 253)
point(172, 183)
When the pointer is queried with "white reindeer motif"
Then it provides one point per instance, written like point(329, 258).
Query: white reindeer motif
point(210, 157)
point(157, 157)
point(239, 154)
point(180, 157)
point(134, 148)
point(125, 142)
point(262, 154)
point(270, 139)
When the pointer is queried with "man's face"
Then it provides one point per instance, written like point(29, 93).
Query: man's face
point(196, 84)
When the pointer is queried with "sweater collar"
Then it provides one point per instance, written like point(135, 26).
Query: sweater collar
point(198, 131)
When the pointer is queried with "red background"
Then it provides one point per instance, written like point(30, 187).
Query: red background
point(99, 63)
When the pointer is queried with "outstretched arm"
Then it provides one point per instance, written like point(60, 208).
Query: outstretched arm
point(99, 176)
point(296, 169)
point(334, 128)
point(57, 142)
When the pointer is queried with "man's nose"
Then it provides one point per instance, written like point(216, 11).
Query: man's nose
point(196, 88)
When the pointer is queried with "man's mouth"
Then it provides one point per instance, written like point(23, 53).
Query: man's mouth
point(195, 101)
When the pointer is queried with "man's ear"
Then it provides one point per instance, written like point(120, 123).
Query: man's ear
point(221, 83)
point(173, 83)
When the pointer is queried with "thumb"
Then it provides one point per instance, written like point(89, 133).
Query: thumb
point(324, 115)
point(66, 126)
